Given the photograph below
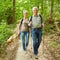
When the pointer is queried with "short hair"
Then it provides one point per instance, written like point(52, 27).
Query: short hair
point(25, 11)
point(34, 8)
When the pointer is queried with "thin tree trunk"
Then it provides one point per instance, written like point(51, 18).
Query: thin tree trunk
point(59, 6)
point(42, 7)
point(52, 7)
point(14, 15)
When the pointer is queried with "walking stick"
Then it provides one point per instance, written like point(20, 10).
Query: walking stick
point(31, 42)
point(43, 41)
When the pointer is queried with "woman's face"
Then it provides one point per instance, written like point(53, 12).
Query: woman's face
point(25, 14)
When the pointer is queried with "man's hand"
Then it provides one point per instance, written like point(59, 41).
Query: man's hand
point(42, 25)
point(30, 23)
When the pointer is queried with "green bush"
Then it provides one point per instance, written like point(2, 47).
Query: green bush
point(5, 33)
point(47, 29)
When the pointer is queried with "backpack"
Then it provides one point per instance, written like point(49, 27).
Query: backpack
point(40, 17)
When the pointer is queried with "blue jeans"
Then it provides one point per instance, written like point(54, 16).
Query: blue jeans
point(37, 37)
point(25, 39)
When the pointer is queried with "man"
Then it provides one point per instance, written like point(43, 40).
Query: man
point(36, 24)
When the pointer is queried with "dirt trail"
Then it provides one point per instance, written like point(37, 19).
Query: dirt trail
point(30, 56)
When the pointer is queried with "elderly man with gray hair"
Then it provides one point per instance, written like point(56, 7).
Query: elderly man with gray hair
point(36, 24)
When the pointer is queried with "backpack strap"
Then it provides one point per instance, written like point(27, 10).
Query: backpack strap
point(40, 17)
point(20, 22)
point(30, 19)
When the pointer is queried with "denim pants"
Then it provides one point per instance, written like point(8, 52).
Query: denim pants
point(25, 39)
point(37, 37)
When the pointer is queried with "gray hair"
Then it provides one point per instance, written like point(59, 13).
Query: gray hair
point(34, 8)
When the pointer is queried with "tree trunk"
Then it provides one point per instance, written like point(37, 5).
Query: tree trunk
point(52, 7)
point(14, 15)
point(59, 6)
point(42, 7)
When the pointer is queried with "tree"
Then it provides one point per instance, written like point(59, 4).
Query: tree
point(59, 6)
point(42, 7)
point(14, 17)
point(52, 10)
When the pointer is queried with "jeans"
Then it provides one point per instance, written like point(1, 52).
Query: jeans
point(25, 39)
point(37, 37)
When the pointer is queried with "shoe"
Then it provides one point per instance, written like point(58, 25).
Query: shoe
point(24, 52)
point(36, 56)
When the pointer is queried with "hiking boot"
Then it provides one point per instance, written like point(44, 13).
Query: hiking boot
point(24, 52)
point(36, 56)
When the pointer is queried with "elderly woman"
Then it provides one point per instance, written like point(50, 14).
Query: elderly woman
point(24, 30)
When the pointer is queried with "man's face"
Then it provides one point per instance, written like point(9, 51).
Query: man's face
point(35, 11)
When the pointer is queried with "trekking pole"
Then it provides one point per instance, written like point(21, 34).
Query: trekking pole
point(31, 43)
point(43, 41)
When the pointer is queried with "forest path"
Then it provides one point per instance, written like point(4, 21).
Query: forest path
point(29, 55)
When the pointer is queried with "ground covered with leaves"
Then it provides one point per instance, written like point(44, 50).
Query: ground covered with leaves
point(52, 43)
point(5, 32)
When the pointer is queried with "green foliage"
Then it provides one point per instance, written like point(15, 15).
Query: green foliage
point(6, 16)
point(5, 32)
point(4, 5)
point(47, 28)
point(53, 44)
point(44, 6)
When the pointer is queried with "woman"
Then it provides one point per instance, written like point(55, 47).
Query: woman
point(24, 30)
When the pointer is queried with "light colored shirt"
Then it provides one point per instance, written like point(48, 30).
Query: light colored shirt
point(36, 21)
point(24, 25)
